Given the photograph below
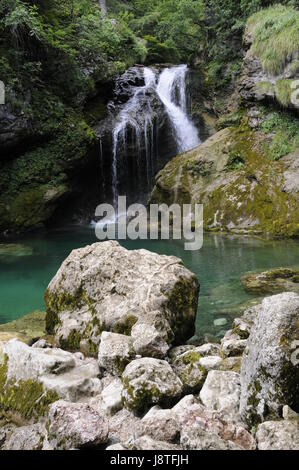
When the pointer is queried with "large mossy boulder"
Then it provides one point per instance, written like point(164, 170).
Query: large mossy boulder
point(105, 287)
point(242, 190)
point(270, 366)
point(272, 281)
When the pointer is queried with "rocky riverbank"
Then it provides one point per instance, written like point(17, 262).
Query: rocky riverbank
point(114, 370)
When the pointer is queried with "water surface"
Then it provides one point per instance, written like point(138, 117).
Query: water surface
point(25, 273)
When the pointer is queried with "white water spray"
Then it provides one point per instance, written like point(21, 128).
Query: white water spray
point(172, 82)
point(137, 116)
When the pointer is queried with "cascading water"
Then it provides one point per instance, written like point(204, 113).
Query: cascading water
point(129, 118)
point(172, 82)
point(136, 126)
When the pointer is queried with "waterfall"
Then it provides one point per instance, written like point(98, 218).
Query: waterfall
point(140, 121)
point(136, 121)
point(172, 85)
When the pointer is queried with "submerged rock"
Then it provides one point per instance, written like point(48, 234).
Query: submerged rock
point(76, 426)
point(270, 368)
point(149, 381)
point(14, 249)
point(105, 287)
point(28, 328)
point(272, 281)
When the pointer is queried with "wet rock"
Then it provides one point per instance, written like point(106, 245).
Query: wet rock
point(26, 438)
point(76, 426)
point(149, 381)
point(28, 328)
point(106, 287)
point(221, 392)
point(272, 281)
point(160, 425)
point(220, 322)
point(220, 166)
point(278, 435)
point(115, 352)
point(270, 370)
point(189, 369)
point(14, 249)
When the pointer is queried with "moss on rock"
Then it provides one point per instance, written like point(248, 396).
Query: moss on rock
point(27, 399)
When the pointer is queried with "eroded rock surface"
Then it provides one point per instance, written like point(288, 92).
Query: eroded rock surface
point(270, 369)
point(105, 287)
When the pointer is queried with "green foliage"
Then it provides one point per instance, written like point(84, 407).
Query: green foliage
point(285, 130)
point(275, 36)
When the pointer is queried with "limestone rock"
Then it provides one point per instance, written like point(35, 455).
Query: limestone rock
point(60, 373)
point(209, 349)
point(152, 335)
point(278, 435)
point(160, 425)
point(112, 397)
point(106, 287)
point(124, 426)
point(76, 426)
point(190, 370)
point(202, 428)
point(270, 369)
point(272, 281)
point(211, 362)
point(215, 174)
point(149, 381)
point(115, 352)
point(147, 443)
point(221, 392)
point(26, 438)
point(233, 347)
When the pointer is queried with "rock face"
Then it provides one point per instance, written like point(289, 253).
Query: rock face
point(33, 378)
point(104, 287)
point(76, 426)
point(241, 190)
point(272, 281)
point(270, 367)
point(149, 381)
point(263, 79)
